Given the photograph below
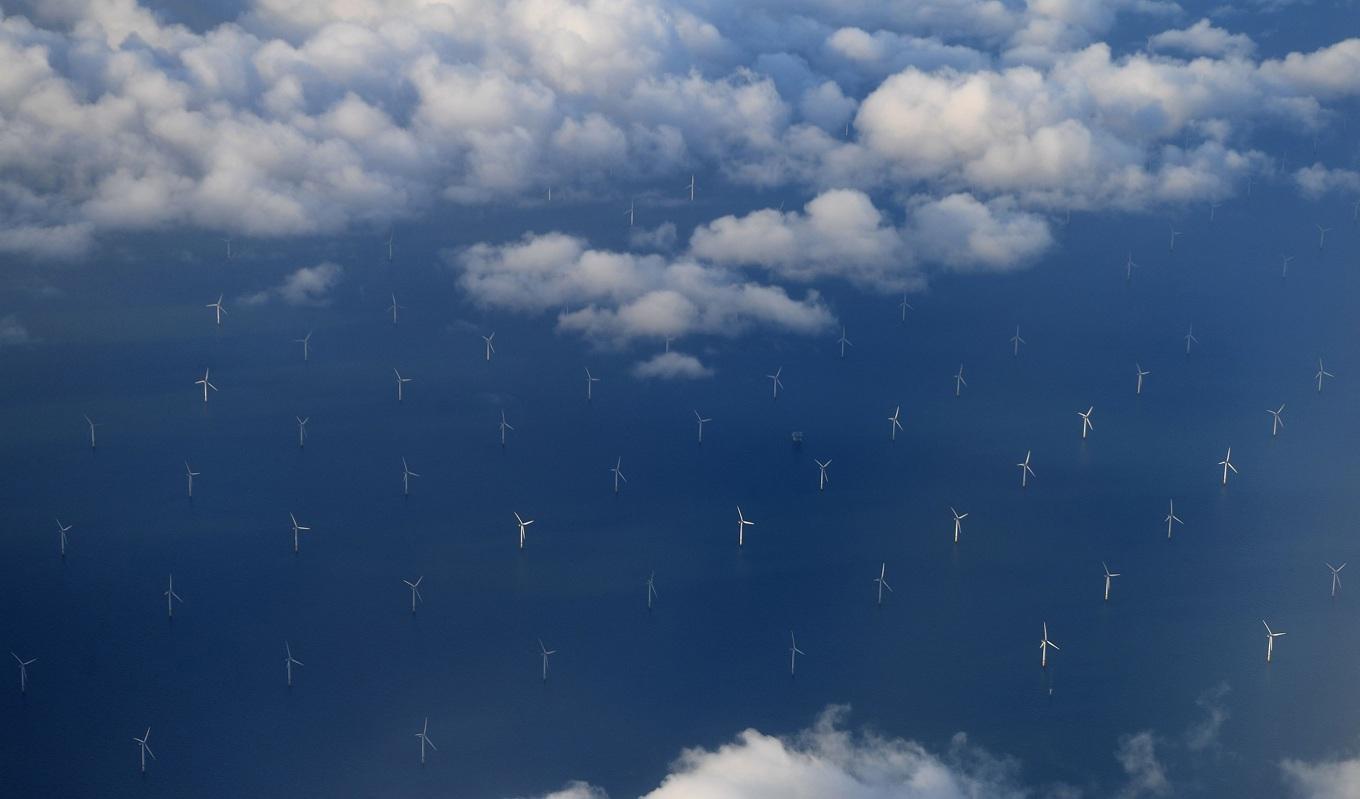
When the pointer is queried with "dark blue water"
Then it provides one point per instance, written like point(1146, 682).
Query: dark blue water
point(953, 648)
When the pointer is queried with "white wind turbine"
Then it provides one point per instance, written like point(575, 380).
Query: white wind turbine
point(1171, 517)
point(289, 662)
point(394, 307)
point(1189, 339)
point(191, 474)
point(219, 309)
point(895, 423)
point(391, 236)
point(206, 383)
point(1016, 341)
point(1174, 234)
point(92, 425)
point(523, 524)
point(504, 426)
point(690, 187)
point(545, 652)
point(401, 381)
point(651, 589)
point(425, 741)
point(302, 430)
point(629, 213)
point(24, 664)
point(306, 342)
point(1025, 471)
point(1213, 207)
point(822, 479)
point(1044, 646)
point(1108, 576)
point(141, 742)
point(959, 382)
point(1284, 268)
point(774, 380)
point(406, 475)
point(1321, 373)
point(62, 530)
point(415, 592)
point(882, 580)
point(617, 469)
point(1271, 635)
point(701, 420)
point(794, 652)
point(741, 527)
point(958, 522)
point(905, 306)
point(170, 597)
point(1226, 463)
point(1086, 425)
point(1276, 421)
point(297, 528)
point(844, 342)
point(1138, 390)
point(1129, 266)
point(590, 382)
point(1336, 576)
point(1322, 235)
point(490, 344)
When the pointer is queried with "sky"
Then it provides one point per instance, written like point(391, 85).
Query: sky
point(683, 197)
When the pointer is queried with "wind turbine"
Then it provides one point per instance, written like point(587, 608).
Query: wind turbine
point(741, 527)
point(92, 425)
point(306, 342)
point(406, 475)
point(843, 341)
point(394, 307)
point(1174, 234)
point(1284, 268)
point(391, 235)
point(522, 527)
point(415, 592)
point(302, 430)
point(1171, 517)
point(545, 652)
point(774, 379)
point(191, 474)
point(401, 381)
point(617, 469)
point(691, 188)
point(958, 522)
point(207, 384)
point(289, 661)
point(146, 750)
point(228, 241)
point(1016, 341)
point(504, 426)
point(62, 530)
point(425, 740)
point(1213, 207)
point(1190, 338)
point(651, 589)
point(905, 306)
point(794, 652)
point(1321, 373)
point(1271, 635)
point(896, 423)
point(1025, 471)
point(822, 479)
point(1108, 576)
point(297, 528)
point(1044, 646)
point(218, 308)
point(1226, 463)
point(590, 382)
point(882, 580)
point(1336, 577)
point(959, 382)
point(629, 213)
point(24, 664)
point(170, 597)
point(701, 421)
point(1322, 235)
point(1276, 421)
point(1138, 390)
point(1129, 266)
point(490, 344)
point(1086, 425)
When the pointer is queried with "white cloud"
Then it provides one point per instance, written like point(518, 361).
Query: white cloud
point(309, 285)
point(576, 790)
point(672, 365)
point(1328, 779)
point(964, 233)
point(12, 332)
point(1204, 38)
point(1138, 756)
point(660, 238)
point(1317, 180)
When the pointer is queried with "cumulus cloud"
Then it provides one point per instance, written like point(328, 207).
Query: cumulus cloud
point(309, 285)
point(1204, 38)
point(1317, 180)
point(1138, 756)
point(661, 237)
point(13, 333)
point(617, 296)
point(672, 365)
point(1327, 779)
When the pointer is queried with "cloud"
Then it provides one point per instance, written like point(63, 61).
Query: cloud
point(660, 238)
point(1203, 38)
point(309, 285)
point(617, 296)
point(672, 365)
point(964, 233)
point(1204, 735)
point(576, 790)
point(1138, 756)
point(1328, 779)
point(12, 332)
point(1317, 180)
